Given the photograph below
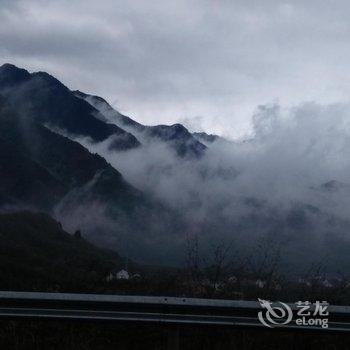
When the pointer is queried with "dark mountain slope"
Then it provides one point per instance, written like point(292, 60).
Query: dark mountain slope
point(42, 170)
point(42, 97)
point(36, 254)
point(40, 167)
point(108, 111)
point(176, 136)
point(24, 182)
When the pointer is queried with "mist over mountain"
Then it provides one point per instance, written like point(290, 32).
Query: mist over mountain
point(45, 171)
point(148, 189)
point(174, 136)
point(272, 185)
point(45, 99)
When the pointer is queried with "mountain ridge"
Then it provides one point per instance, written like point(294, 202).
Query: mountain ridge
point(41, 170)
point(44, 98)
point(176, 136)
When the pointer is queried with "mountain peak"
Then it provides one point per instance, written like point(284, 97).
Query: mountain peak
point(11, 75)
point(204, 137)
point(10, 66)
point(42, 97)
point(179, 127)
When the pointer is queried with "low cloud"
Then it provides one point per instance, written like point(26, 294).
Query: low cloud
point(292, 153)
point(288, 181)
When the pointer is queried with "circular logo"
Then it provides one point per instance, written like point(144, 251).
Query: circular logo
point(274, 315)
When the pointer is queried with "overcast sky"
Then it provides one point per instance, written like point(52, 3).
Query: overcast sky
point(205, 63)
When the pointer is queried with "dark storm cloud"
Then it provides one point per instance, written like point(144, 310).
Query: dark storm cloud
point(208, 63)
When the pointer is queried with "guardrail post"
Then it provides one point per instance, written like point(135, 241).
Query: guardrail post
point(173, 338)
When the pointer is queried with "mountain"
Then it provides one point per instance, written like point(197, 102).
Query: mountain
point(179, 195)
point(42, 97)
point(41, 170)
point(205, 138)
point(40, 167)
point(178, 137)
point(175, 136)
point(37, 254)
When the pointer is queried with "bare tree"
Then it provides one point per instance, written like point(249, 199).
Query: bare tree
point(265, 261)
point(206, 272)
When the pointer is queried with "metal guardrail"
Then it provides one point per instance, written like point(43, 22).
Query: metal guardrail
point(158, 310)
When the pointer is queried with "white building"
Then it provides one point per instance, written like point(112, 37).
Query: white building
point(260, 283)
point(123, 275)
point(118, 275)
